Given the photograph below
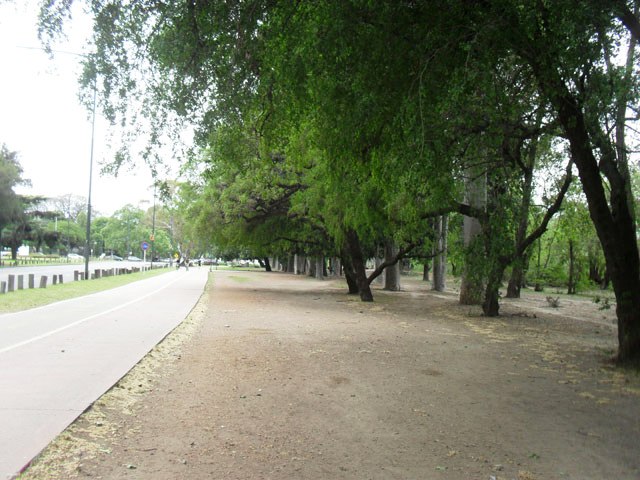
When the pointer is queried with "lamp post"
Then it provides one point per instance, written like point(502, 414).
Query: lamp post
point(87, 249)
point(153, 226)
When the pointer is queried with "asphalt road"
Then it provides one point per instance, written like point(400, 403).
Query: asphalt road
point(56, 360)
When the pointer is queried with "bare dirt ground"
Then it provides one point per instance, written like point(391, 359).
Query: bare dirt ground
point(281, 377)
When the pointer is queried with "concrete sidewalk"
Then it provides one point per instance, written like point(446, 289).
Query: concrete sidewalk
point(55, 361)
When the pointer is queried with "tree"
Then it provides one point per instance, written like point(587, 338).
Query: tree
point(563, 47)
point(389, 105)
point(10, 177)
point(123, 232)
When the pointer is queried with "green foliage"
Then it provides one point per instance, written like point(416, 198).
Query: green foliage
point(322, 121)
point(10, 177)
point(550, 261)
point(123, 233)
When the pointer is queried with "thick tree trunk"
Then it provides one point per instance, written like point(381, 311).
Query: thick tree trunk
point(471, 286)
point(491, 303)
point(516, 280)
point(425, 271)
point(621, 121)
point(614, 224)
point(352, 283)
point(267, 264)
point(335, 266)
point(349, 273)
point(291, 263)
point(301, 264)
point(319, 270)
point(440, 258)
point(359, 268)
point(391, 273)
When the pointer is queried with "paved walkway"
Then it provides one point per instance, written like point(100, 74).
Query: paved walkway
point(55, 361)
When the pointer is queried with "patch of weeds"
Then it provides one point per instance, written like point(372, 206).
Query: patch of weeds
point(605, 305)
point(553, 301)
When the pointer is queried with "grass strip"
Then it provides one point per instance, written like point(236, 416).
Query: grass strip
point(36, 297)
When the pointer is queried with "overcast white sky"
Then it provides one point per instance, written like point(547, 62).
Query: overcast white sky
point(41, 117)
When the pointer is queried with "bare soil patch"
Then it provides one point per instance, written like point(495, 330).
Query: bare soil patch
point(275, 376)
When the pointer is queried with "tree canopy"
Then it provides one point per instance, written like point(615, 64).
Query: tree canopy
point(335, 127)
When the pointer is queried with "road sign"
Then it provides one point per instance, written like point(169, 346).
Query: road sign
point(144, 245)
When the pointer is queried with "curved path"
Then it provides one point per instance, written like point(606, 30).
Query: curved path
point(56, 360)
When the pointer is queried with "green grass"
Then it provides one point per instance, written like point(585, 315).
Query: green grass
point(36, 297)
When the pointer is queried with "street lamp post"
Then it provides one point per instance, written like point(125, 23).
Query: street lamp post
point(153, 226)
point(87, 250)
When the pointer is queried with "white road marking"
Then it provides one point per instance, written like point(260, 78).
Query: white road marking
point(78, 322)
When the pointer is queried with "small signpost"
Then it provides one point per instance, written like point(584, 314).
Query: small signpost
point(144, 246)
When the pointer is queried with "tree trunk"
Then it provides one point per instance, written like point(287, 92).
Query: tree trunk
point(352, 284)
point(359, 268)
point(301, 264)
point(571, 288)
point(425, 271)
point(471, 287)
point(516, 280)
point(440, 258)
point(319, 270)
point(614, 224)
point(517, 273)
point(491, 303)
point(335, 266)
point(267, 264)
point(349, 273)
point(309, 267)
point(621, 114)
point(391, 273)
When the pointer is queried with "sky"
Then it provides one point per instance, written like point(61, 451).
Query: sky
point(41, 117)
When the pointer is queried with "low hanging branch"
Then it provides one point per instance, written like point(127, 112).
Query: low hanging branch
point(461, 208)
point(553, 209)
point(402, 253)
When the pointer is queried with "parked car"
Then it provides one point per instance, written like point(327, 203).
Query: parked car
point(110, 256)
point(133, 258)
point(75, 256)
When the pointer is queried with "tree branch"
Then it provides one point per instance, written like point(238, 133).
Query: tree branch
point(551, 211)
point(388, 263)
point(629, 20)
point(461, 208)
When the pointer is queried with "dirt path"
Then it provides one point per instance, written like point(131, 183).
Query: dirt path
point(281, 377)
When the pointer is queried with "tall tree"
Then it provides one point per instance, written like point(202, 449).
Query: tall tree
point(12, 210)
point(10, 177)
point(563, 46)
point(371, 92)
